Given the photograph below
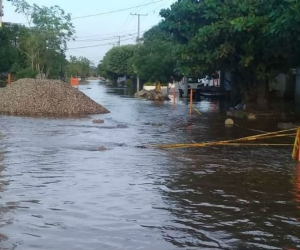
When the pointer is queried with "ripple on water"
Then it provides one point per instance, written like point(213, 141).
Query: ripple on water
point(58, 191)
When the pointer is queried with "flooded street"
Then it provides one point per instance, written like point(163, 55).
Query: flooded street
point(60, 190)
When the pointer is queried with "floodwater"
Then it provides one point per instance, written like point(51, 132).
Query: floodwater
point(60, 190)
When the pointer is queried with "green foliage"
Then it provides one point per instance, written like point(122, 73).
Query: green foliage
point(234, 34)
point(129, 83)
point(26, 73)
point(156, 33)
point(8, 52)
point(155, 62)
point(149, 84)
point(255, 40)
point(118, 61)
point(79, 67)
point(157, 59)
point(44, 42)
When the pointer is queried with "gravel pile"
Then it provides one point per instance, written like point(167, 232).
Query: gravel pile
point(32, 97)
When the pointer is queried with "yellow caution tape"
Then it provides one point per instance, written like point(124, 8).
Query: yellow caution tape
point(197, 111)
point(296, 146)
point(231, 142)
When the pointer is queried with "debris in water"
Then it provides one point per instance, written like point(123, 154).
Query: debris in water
point(102, 148)
point(98, 121)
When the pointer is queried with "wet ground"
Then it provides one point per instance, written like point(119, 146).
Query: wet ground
point(72, 184)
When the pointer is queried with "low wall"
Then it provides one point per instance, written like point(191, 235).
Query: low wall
point(149, 88)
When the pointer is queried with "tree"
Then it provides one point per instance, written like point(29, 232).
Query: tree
point(8, 52)
point(155, 62)
point(118, 61)
point(233, 35)
point(50, 29)
point(155, 59)
point(79, 67)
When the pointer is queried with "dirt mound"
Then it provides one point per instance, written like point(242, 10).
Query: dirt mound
point(32, 97)
point(152, 95)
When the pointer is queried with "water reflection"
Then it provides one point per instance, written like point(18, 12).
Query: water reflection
point(124, 92)
point(297, 185)
point(5, 207)
point(226, 204)
point(64, 193)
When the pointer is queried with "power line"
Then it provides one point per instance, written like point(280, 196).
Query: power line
point(97, 45)
point(129, 17)
point(105, 34)
point(166, 1)
point(104, 38)
point(115, 11)
point(140, 9)
point(119, 42)
point(138, 41)
point(1, 12)
point(94, 40)
point(139, 18)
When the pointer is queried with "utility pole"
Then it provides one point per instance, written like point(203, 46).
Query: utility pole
point(138, 42)
point(1, 12)
point(119, 42)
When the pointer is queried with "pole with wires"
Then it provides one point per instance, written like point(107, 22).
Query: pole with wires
point(1, 12)
point(119, 41)
point(138, 42)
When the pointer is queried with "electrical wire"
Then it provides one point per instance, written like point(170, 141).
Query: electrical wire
point(104, 39)
point(115, 11)
point(106, 34)
point(166, 1)
point(97, 45)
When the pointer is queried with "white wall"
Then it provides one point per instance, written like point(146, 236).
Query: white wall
point(279, 84)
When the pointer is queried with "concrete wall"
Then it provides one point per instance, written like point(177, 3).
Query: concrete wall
point(279, 84)
point(285, 85)
point(227, 80)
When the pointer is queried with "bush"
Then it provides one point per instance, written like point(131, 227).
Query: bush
point(26, 73)
point(128, 83)
point(149, 84)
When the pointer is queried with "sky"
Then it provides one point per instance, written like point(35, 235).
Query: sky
point(100, 31)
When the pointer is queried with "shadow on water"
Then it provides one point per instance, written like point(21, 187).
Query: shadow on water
point(78, 185)
point(232, 203)
point(123, 92)
point(6, 207)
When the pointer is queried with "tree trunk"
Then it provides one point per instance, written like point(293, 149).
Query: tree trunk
point(235, 93)
point(185, 82)
point(263, 95)
point(47, 73)
point(256, 95)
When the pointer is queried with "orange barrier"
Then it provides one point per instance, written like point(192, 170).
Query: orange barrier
point(8, 78)
point(296, 150)
point(74, 82)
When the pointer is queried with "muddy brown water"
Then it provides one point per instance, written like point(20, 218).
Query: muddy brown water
point(72, 184)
